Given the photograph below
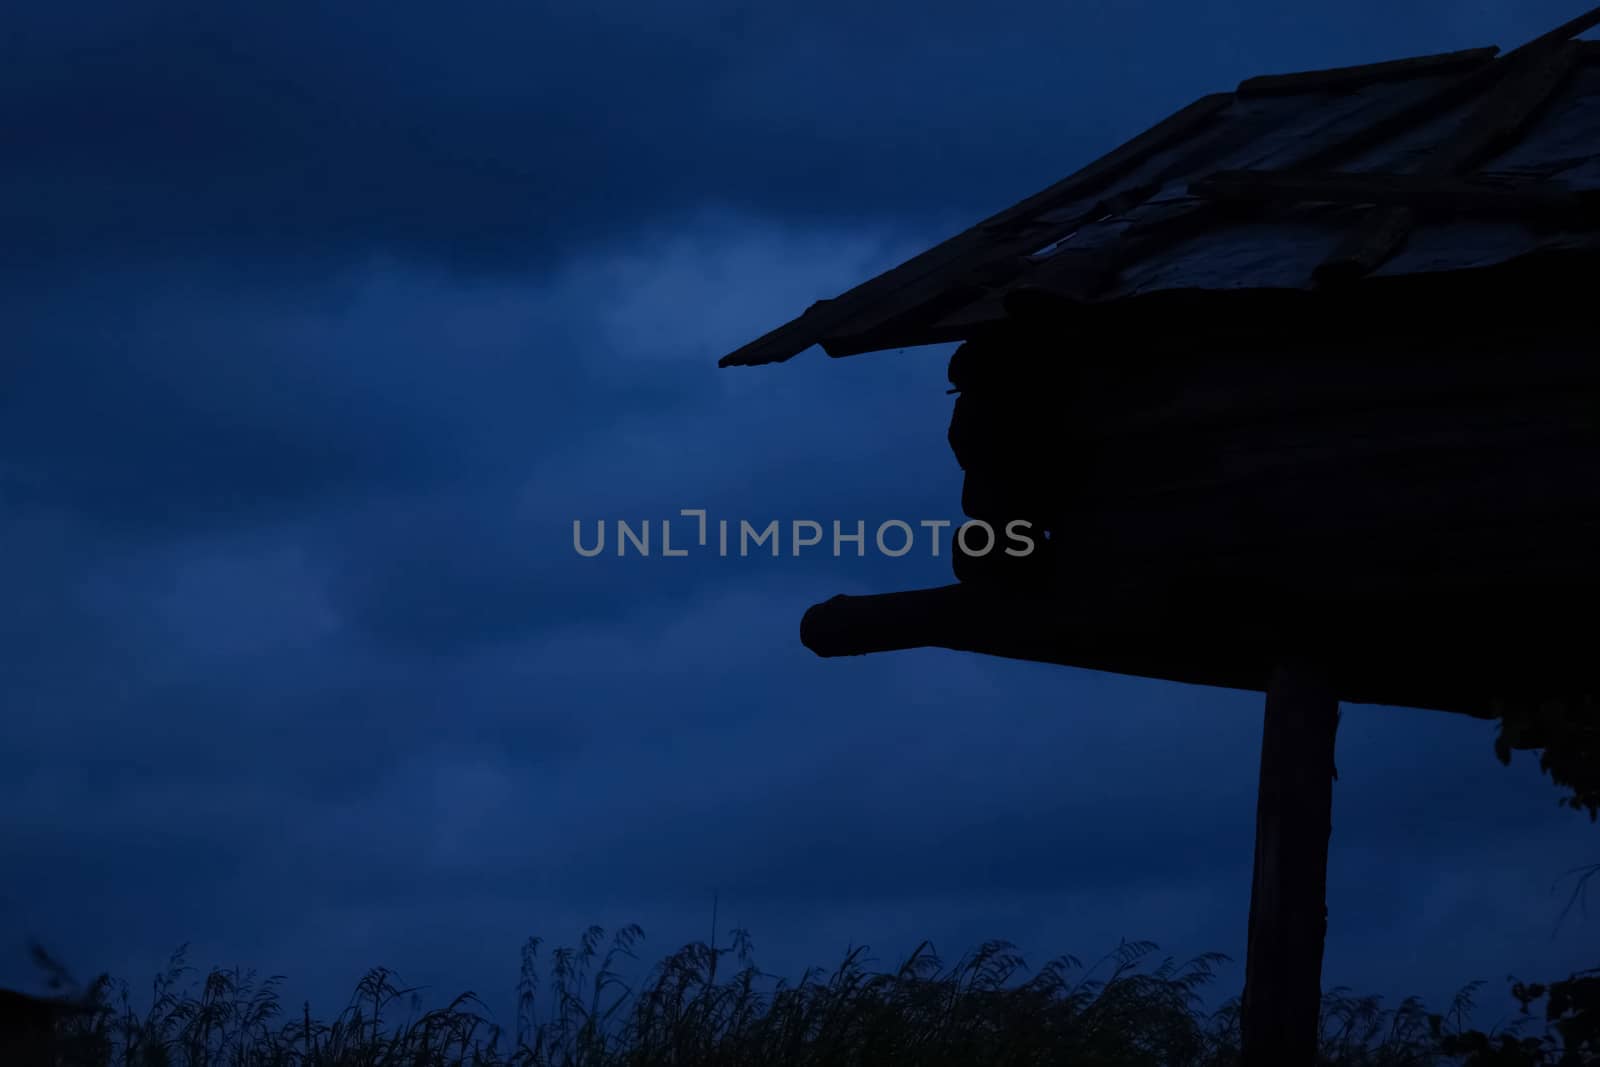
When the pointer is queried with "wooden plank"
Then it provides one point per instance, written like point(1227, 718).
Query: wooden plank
point(1413, 113)
point(1354, 77)
point(1289, 883)
point(1501, 119)
point(1532, 75)
point(1142, 241)
point(921, 278)
point(1564, 32)
point(1546, 201)
point(1100, 174)
point(1160, 230)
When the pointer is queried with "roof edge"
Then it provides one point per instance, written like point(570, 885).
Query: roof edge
point(1354, 77)
point(825, 316)
point(901, 295)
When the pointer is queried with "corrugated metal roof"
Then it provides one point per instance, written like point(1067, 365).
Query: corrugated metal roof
point(1436, 163)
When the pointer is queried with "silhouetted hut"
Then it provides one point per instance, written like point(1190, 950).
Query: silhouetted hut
point(1301, 384)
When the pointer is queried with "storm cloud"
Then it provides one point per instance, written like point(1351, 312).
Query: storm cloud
point(323, 323)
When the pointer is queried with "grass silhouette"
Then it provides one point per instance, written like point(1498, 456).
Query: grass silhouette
point(1130, 1008)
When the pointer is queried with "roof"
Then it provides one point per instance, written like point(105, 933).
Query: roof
point(1295, 182)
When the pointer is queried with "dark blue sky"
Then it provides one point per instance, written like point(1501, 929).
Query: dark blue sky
point(322, 328)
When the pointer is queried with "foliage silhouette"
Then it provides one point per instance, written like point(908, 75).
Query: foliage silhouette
point(1128, 1009)
point(1568, 735)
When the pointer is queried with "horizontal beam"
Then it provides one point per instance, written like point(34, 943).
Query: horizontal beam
point(1392, 660)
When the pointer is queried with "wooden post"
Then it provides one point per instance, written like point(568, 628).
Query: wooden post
point(1288, 892)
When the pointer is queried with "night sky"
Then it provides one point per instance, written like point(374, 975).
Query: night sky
point(322, 326)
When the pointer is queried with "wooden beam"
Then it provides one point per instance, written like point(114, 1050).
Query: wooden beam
point(1288, 890)
point(1409, 114)
point(1458, 652)
point(1423, 193)
point(1531, 80)
point(1335, 79)
point(1230, 653)
point(1564, 32)
point(1395, 120)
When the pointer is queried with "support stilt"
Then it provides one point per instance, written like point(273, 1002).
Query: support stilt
point(1288, 893)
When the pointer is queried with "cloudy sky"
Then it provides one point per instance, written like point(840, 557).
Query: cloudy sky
point(322, 325)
